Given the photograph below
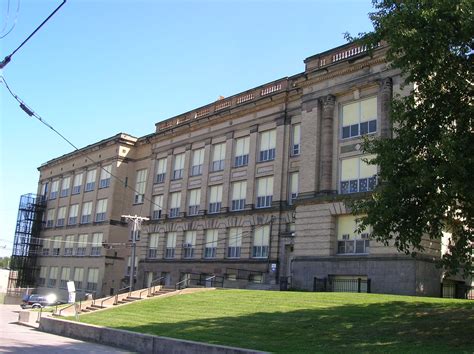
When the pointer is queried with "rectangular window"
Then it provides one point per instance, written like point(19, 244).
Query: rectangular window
point(76, 185)
point(170, 245)
point(96, 248)
point(101, 210)
point(189, 243)
point(44, 189)
point(157, 207)
point(140, 185)
point(178, 166)
point(194, 201)
point(261, 241)
point(81, 245)
point(42, 276)
point(267, 145)
point(129, 266)
point(242, 151)
point(293, 187)
point(50, 218)
point(56, 245)
point(45, 243)
point(357, 175)
point(65, 277)
point(218, 157)
point(235, 242)
point(175, 204)
point(160, 170)
point(215, 199)
point(153, 245)
point(105, 173)
point(198, 160)
point(73, 212)
point(92, 279)
point(86, 213)
point(296, 140)
point(239, 192)
point(65, 185)
point(61, 219)
point(78, 278)
point(349, 241)
point(90, 180)
point(69, 245)
point(264, 192)
point(359, 118)
point(210, 249)
point(53, 277)
point(54, 190)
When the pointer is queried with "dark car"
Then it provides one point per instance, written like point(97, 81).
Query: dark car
point(36, 301)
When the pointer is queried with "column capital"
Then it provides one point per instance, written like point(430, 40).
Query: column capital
point(328, 102)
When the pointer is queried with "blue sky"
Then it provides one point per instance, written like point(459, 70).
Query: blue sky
point(100, 67)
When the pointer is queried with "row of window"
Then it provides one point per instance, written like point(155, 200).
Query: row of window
point(72, 219)
point(73, 245)
point(260, 247)
point(50, 277)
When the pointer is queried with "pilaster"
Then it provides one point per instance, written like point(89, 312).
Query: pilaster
point(327, 123)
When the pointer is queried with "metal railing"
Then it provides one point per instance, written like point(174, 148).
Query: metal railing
point(200, 279)
point(242, 274)
point(358, 285)
point(154, 283)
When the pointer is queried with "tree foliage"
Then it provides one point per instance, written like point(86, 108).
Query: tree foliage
point(427, 170)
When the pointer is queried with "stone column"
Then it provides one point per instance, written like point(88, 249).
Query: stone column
point(385, 97)
point(327, 123)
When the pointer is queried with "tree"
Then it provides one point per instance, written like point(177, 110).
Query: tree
point(427, 168)
point(4, 262)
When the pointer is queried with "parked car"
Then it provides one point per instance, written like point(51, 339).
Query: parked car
point(37, 301)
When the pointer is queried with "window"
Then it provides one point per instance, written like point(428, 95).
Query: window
point(54, 190)
point(69, 245)
point(198, 160)
point(348, 240)
point(86, 213)
point(90, 180)
point(101, 210)
point(160, 170)
point(194, 201)
point(359, 118)
point(157, 207)
point(264, 192)
point(42, 276)
point(235, 242)
point(60, 221)
point(81, 245)
point(104, 181)
point(65, 276)
point(215, 199)
point(76, 185)
point(73, 211)
point(296, 140)
point(153, 245)
point(129, 266)
point(357, 175)
point(239, 191)
point(53, 277)
point(261, 241)
point(189, 243)
point(96, 248)
point(45, 245)
point(56, 245)
point(140, 185)
point(242, 151)
point(170, 245)
point(78, 278)
point(44, 189)
point(293, 187)
point(218, 157)
point(65, 187)
point(267, 145)
point(211, 244)
point(175, 204)
point(92, 279)
point(50, 218)
point(178, 166)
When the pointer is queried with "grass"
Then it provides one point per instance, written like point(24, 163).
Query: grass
point(300, 322)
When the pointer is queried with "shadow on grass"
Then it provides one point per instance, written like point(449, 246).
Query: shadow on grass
point(380, 327)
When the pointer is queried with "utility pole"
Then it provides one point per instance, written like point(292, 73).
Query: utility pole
point(136, 223)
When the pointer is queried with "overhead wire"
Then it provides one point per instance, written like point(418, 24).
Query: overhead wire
point(7, 19)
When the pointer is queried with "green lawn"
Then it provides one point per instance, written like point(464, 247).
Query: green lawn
point(303, 322)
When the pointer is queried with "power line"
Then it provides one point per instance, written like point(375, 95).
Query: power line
point(8, 17)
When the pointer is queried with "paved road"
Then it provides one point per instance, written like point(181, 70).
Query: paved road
point(16, 338)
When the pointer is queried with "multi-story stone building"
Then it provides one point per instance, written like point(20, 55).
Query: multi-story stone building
point(253, 188)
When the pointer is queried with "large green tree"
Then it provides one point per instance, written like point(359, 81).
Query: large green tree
point(426, 181)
